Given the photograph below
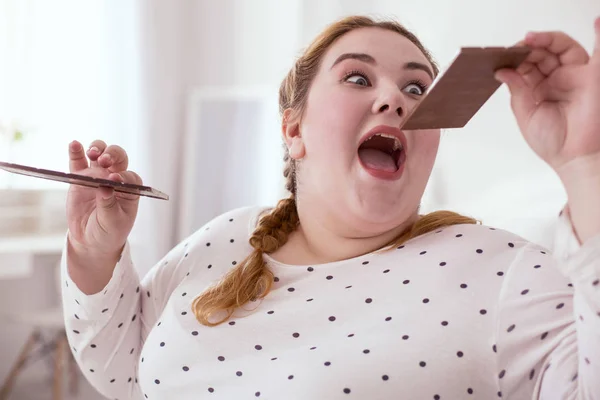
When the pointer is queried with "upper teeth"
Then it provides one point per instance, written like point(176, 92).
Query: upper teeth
point(397, 143)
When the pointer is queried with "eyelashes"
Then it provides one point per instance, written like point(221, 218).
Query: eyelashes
point(367, 82)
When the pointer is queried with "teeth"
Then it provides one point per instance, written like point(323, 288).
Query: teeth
point(397, 144)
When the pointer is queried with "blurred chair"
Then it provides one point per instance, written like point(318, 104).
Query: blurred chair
point(48, 340)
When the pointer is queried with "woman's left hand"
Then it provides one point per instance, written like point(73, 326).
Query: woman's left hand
point(555, 97)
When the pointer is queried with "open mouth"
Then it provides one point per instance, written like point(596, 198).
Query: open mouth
point(381, 152)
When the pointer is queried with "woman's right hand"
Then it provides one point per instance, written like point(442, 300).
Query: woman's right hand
point(100, 219)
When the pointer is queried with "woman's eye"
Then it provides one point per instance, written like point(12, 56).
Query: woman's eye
point(358, 79)
point(417, 89)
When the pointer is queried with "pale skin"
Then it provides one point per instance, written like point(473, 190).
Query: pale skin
point(345, 212)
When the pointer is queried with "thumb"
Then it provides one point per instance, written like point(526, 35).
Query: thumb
point(521, 96)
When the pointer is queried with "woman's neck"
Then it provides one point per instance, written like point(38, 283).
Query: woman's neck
point(321, 239)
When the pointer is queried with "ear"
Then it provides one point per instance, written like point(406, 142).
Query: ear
point(290, 130)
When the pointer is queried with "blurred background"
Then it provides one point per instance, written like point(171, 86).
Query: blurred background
point(189, 89)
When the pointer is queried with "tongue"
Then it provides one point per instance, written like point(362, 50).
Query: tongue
point(377, 159)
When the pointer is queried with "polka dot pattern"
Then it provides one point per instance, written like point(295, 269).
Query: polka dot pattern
point(340, 330)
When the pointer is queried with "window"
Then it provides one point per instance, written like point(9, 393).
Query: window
point(68, 70)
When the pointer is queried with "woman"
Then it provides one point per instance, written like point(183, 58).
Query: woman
point(343, 290)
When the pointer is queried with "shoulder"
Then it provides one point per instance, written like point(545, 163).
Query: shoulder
point(236, 224)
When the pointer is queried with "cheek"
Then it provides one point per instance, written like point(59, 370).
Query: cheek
point(424, 149)
point(332, 122)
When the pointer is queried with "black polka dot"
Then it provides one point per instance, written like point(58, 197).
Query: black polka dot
point(494, 348)
point(208, 244)
point(459, 235)
point(422, 363)
point(129, 380)
point(501, 374)
point(423, 252)
point(209, 266)
point(460, 354)
point(470, 391)
point(313, 348)
point(76, 316)
point(463, 285)
point(257, 394)
point(511, 328)
point(258, 347)
point(479, 251)
point(276, 279)
point(291, 289)
point(332, 318)
point(137, 289)
point(444, 323)
point(105, 310)
point(574, 378)
point(162, 344)
point(436, 397)
point(482, 311)
point(544, 335)
point(231, 241)
point(185, 368)
point(231, 323)
point(442, 263)
point(183, 294)
point(327, 363)
point(91, 370)
point(500, 273)
point(385, 377)
point(524, 292)
point(184, 313)
point(365, 262)
point(587, 361)
point(195, 333)
point(405, 337)
point(426, 300)
point(296, 334)
point(112, 380)
point(388, 318)
point(309, 299)
point(93, 346)
point(120, 325)
point(75, 331)
point(511, 245)
point(122, 294)
point(211, 390)
point(531, 374)
point(368, 300)
point(537, 266)
point(560, 305)
point(329, 277)
point(270, 312)
point(596, 282)
point(133, 318)
point(386, 271)
point(239, 373)
point(148, 293)
point(499, 394)
point(233, 262)
point(366, 351)
point(400, 247)
point(406, 282)
point(310, 269)
point(346, 390)
point(230, 219)
point(291, 377)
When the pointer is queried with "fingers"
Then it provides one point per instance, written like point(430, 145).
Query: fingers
point(107, 196)
point(566, 49)
point(77, 159)
point(96, 149)
point(596, 53)
point(114, 158)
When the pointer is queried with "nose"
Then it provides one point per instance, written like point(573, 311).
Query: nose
point(390, 100)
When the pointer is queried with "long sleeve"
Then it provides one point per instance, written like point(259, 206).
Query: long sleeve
point(107, 330)
point(548, 333)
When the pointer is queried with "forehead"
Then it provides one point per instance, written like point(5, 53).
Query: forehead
point(389, 48)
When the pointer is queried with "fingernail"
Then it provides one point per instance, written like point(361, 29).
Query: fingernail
point(94, 149)
point(106, 156)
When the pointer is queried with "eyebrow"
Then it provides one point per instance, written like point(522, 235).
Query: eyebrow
point(411, 65)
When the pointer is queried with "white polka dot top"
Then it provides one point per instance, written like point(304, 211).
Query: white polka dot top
point(465, 312)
